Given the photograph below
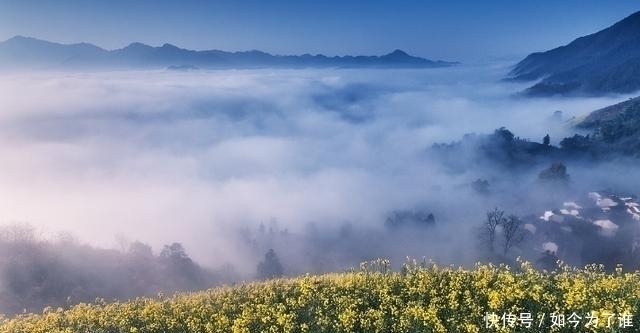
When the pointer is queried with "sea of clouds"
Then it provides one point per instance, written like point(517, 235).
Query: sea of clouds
point(164, 156)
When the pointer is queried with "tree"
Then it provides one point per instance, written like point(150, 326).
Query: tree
point(548, 261)
point(271, 267)
point(410, 218)
point(512, 232)
point(576, 143)
point(142, 268)
point(480, 186)
point(174, 252)
point(140, 250)
point(185, 273)
point(494, 219)
point(557, 172)
point(504, 134)
point(546, 140)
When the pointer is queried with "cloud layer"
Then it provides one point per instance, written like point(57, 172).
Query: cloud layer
point(194, 157)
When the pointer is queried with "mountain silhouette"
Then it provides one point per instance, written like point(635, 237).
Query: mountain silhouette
point(604, 62)
point(26, 52)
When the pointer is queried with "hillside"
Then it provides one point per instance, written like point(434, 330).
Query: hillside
point(615, 128)
point(604, 62)
point(25, 52)
point(419, 298)
point(624, 110)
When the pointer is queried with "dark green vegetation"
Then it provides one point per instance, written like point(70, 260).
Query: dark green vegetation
point(501, 149)
point(615, 128)
point(613, 132)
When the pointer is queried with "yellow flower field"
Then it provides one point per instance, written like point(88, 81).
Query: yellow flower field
point(418, 298)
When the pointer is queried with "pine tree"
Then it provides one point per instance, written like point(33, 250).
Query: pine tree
point(271, 267)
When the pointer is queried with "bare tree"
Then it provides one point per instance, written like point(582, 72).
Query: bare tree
point(494, 219)
point(512, 232)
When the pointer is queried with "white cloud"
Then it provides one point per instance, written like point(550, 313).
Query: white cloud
point(163, 156)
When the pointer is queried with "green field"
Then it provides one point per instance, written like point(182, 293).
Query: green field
point(417, 298)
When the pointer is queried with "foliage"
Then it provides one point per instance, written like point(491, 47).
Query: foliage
point(410, 218)
point(36, 272)
point(271, 267)
point(576, 143)
point(481, 186)
point(421, 297)
point(557, 172)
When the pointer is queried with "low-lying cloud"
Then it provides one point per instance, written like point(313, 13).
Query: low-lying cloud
point(194, 157)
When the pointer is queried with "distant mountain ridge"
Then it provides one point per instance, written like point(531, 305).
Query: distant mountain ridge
point(26, 52)
point(604, 62)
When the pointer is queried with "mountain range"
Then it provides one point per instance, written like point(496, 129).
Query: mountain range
point(24, 52)
point(601, 63)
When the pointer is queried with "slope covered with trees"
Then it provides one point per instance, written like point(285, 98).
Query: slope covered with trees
point(614, 128)
point(36, 272)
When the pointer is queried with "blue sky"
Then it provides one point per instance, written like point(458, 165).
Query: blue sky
point(449, 30)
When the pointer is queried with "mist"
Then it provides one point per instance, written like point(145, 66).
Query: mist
point(230, 163)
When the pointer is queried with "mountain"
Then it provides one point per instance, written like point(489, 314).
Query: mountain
point(30, 52)
point(604, 62)
point(608, 133)
point(629, 109)
point(25, 52)
point(615, 128)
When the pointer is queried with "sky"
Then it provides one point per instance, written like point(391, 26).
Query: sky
point(447, 30)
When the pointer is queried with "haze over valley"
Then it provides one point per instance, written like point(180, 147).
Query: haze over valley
point(173, 169)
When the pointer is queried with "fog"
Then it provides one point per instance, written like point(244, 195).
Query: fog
point(205, 157)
